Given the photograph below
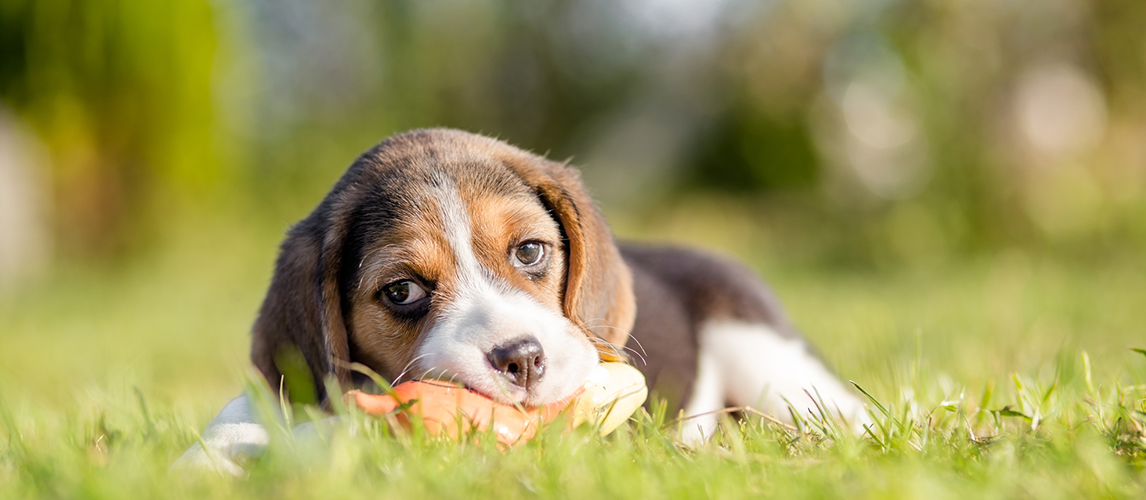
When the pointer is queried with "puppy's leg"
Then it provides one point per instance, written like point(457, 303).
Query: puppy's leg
point(233, 436)
point(759, 367)
point(708, 396)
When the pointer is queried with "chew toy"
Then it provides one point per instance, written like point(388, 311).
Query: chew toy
point(613, 392)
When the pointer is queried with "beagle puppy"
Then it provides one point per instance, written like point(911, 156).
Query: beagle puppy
point(443, 254)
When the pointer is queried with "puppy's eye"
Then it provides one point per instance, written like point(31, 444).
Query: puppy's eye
point(528, 254)
point(404, 292)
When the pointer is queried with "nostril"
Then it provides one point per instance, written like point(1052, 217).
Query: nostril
point(522, 361)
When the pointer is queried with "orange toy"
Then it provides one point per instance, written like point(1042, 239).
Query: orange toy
point(611, 395)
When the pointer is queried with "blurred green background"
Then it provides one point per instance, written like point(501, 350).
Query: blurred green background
point(955, 183)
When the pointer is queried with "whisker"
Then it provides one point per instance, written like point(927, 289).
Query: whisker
point(613, 348)
point(629, 334)
point(640, 356)
point(604, 324)
point(406, 369)
point(637, 354)
point(453, 376)
point(646, 353)
point(410, 364)
point(427, 372)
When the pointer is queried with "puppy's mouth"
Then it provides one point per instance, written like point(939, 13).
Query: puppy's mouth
point(499, 385)
point(505, 395)
point(528, 386)
point(501, 393)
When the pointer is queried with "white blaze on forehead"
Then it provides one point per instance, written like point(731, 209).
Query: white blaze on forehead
point(485, 312)
point(456, 225)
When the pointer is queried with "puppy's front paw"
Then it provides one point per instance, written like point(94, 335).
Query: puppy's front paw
point(228, 447)
point(196, 458)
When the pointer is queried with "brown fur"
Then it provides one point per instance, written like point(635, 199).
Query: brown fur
point(417, 246)
point(322, 298)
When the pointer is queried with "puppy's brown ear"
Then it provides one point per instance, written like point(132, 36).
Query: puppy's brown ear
point(598, 284)
point(299, 337)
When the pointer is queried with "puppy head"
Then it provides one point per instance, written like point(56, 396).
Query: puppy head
point(448, 255)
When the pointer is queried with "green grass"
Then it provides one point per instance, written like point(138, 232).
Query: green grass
point(1002, 376)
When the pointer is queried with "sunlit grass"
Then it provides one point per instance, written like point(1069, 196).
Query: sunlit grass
point(999, 376)
point(1083, 444)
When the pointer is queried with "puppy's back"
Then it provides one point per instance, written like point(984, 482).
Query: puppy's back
point(678, 291)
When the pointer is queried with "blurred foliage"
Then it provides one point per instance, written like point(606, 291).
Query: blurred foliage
point(860, 131)
point(120, 91)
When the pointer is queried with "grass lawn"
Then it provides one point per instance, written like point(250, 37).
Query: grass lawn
point(1000, 376)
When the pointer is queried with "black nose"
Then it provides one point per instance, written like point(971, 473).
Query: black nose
point(522, 361)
